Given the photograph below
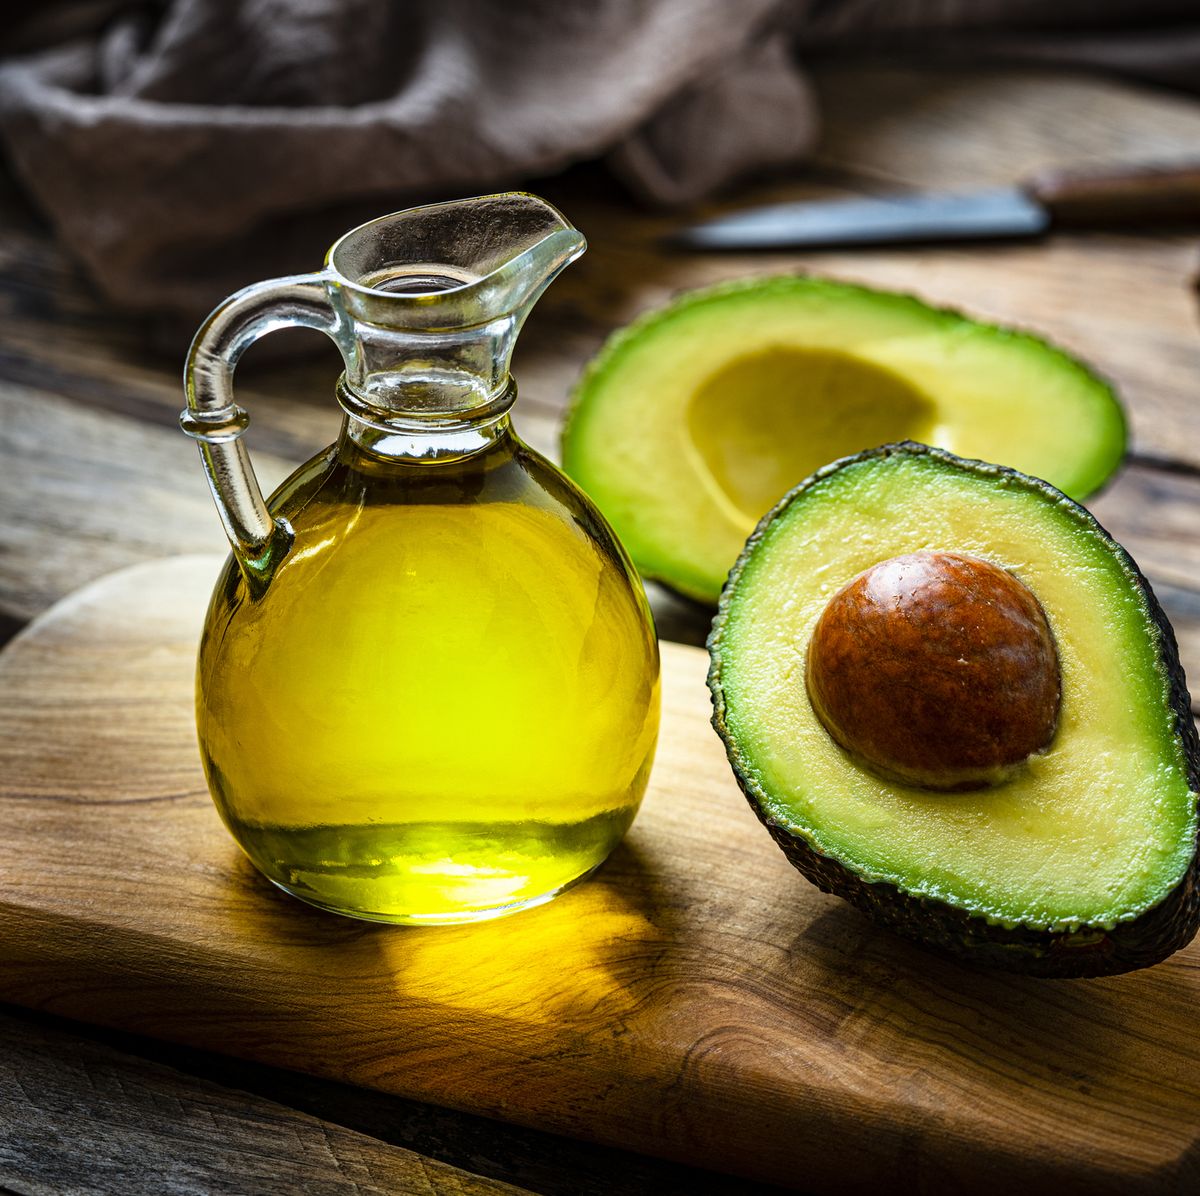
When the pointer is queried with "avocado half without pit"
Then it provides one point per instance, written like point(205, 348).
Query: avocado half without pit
point(696, 419)
point(954, 701)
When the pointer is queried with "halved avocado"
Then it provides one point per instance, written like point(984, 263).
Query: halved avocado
point(693, 421)
point(1082, 861)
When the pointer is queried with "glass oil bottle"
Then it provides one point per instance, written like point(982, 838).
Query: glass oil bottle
point(427, 688)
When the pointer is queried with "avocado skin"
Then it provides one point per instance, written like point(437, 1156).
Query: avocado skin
point(1087, 951)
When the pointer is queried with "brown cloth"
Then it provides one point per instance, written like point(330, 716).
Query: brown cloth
point(177, 147)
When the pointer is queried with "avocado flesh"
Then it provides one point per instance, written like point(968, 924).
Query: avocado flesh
point(693, 421)
point(1085, 838)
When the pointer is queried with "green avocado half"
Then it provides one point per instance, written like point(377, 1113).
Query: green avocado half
point(693, 421)
point(1081, 863)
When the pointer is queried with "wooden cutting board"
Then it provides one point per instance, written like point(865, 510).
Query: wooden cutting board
point(696, 999)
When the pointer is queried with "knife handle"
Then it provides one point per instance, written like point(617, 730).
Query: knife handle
point(1133, 195)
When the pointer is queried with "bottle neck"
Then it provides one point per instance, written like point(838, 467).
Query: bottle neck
point(429, 437)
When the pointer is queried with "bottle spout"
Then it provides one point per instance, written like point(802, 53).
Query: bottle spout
point(433, 298)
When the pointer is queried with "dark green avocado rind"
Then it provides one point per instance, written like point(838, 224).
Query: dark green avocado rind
point(578, 405)
point(1086, 951)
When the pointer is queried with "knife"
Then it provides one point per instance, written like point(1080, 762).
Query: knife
point(1122, 197)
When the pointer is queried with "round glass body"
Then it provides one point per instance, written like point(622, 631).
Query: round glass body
point(443, 707)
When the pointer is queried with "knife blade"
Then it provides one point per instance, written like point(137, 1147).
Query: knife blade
point(1121, 197)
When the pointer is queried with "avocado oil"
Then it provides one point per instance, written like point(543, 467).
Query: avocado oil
point(444, 705)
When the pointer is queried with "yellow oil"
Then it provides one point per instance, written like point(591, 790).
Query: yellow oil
point(444, 705)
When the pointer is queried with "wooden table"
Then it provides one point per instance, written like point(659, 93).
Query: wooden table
point(94, 475)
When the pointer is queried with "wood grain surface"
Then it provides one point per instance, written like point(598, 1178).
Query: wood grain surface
point(62, 1133)
point(532, 1159)
point(696, 999)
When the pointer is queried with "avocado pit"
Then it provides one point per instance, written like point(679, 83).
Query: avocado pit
point(936, 669)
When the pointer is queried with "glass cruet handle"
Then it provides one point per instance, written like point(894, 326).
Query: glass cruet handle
point(216, 422)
